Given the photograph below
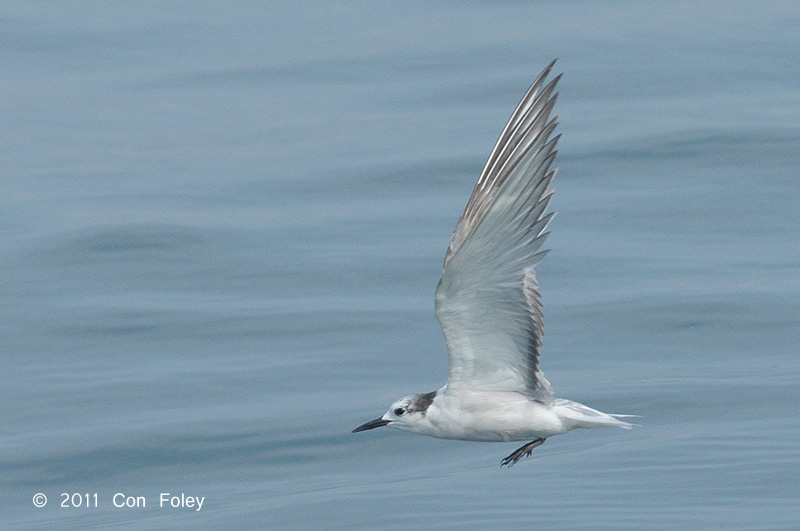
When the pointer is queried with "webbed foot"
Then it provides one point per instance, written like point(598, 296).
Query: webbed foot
point(518, 454)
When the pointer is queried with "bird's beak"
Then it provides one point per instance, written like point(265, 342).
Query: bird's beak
point(377, 423)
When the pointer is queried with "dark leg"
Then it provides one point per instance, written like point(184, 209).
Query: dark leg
point(518, 454)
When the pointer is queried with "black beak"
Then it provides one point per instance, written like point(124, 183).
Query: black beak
point(377, 423)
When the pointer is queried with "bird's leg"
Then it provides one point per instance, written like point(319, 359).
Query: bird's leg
point(518, 454)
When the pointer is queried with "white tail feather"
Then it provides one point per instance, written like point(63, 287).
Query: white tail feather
point(576, 415)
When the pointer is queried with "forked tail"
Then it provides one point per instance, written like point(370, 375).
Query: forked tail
point(576, 415)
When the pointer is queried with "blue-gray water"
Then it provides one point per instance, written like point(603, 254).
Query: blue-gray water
point(221, 225)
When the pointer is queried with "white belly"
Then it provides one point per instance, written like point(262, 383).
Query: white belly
point(490, 417)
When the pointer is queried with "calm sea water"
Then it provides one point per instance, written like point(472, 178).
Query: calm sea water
point(221, 225)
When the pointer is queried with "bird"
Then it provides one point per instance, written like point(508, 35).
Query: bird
point(488, 302)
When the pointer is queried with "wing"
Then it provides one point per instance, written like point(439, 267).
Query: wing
point(487, 301)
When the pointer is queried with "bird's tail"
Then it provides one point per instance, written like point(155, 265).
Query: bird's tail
point(576, 415)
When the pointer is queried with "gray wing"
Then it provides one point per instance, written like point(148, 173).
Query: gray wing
point(487, 301)
point(531, 105)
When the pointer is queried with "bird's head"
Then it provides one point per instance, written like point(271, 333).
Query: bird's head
point(403, 414)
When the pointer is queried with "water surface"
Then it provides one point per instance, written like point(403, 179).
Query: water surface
point(221, 226)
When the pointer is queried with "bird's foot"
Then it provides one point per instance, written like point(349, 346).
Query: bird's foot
point(518, 454)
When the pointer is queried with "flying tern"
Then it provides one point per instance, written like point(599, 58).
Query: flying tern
point(488, 302)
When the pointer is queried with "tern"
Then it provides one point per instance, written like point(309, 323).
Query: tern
point(488, 302)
